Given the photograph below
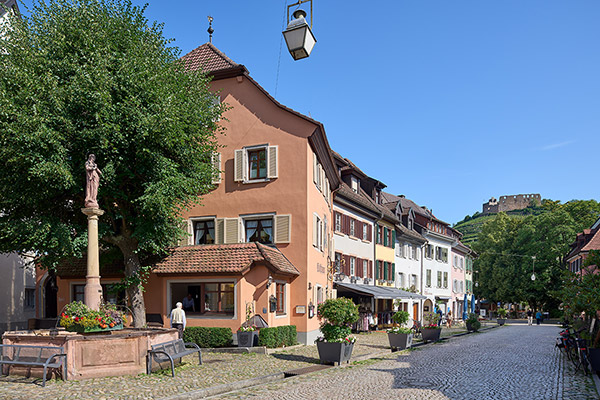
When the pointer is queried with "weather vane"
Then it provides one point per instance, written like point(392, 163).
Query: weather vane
point(210, 30)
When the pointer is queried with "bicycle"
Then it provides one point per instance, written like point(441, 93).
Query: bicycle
point(583, 359)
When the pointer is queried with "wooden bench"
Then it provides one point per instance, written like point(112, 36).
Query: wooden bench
point(33, 356)
point(170, 351)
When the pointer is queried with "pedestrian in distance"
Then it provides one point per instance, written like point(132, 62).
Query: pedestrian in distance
point(188, 303)
point(529, 317)
point(178, 320)
point(538, 317)
point(440, 315)
point(449, 320)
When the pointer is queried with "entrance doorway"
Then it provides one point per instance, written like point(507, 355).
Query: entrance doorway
point(416, 311)
point(50, 297)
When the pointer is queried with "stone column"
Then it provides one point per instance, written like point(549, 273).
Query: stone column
point(93, 289)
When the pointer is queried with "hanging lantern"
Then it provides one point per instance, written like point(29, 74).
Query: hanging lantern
point(298, 34)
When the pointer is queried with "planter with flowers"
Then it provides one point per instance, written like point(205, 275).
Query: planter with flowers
point(473, 323)
point(77, 317)
point(400, 337)
point(501, 316)
point(336, 344)
point(430, 332)
point(247, 336)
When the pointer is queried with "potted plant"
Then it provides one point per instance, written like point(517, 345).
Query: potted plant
point(400, 337)
point(336, 344)
point(501, 316)
point(430, 332)
point(247, 334)
point(77, 317)
point(473, 323)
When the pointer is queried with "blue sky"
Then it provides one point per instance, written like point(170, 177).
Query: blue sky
point(447, 102)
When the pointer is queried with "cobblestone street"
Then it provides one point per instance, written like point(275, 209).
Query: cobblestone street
point(512, 362)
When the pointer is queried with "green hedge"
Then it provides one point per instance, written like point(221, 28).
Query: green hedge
point(278, 336)
point(208, 337)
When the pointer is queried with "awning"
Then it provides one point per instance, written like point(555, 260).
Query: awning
point(378, 292)
point(443, 297)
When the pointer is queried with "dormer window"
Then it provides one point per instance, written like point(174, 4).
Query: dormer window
point(377, 196)
point(355, 184)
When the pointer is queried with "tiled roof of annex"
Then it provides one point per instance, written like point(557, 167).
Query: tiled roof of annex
point(223, 258)
point(208, 59)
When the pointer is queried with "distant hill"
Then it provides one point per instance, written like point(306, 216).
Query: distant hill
point(470, 226)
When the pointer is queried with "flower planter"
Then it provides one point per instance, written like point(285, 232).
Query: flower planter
point(501, 321)
point(430, 335)
point(247, 339)
point(594, 359)
point(81, 329)
point(470, 327)
point(334, 352)
point(400, 341)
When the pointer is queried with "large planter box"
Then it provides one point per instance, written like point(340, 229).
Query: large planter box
point(594, 359)
point(400, 341)
point(81, 329)
point(470, 327)
point(247, 339)
point(431, 335)
point(501, 321)
point(335, 353)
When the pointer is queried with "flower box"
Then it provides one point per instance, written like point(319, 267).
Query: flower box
point(247, 338)
point(431, 334)
point(400, 341)
point(501, 321)
point(336, 352)
point(81, 329)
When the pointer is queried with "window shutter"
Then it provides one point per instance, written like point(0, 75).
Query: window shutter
point(346, 269)
point(272, 162)
point(315, 170)
point(283, 228)
point(327, 191)
point(370, 233)
point(377, 269)
point(220, 231)
point(184, 241)
point(190, 231)
point(393, 271)
point(239, 166)
point(216, 164)
point(315, 231)
point(358, 266)
point(377, 234)
point(385, 270)
point(232, 230)
point(385, 236)
point(370, 271)
point(393, 238)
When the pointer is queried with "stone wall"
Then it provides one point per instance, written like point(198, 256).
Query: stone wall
point(509, 203)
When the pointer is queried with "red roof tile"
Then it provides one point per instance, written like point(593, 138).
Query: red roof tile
point(223, 258)
point(594, 242)
point(208, 59)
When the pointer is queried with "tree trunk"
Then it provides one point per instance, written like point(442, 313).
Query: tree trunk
point(134, 292)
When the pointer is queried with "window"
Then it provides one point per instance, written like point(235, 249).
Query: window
point(461, 263)
point(29, 298)
point(352, 266)
point(338, 222)
point(445, 280)
point(280, 294)
point(398, 250)
point(413, 281)
point(259, 230)
point(439, 279)
point(319, 294)
point(401, 279)
point(365, 268)
point(218, 298)
point(414, 252)
point(428, 278)
point(365, 232)
point(204, 232)
point(355, 184)
point(255, 163)
point(429, 251)
point(317, 232)
point(379, 234)
point(408, 253)
point(455, 261)
point(417, 251)
point(352, 233)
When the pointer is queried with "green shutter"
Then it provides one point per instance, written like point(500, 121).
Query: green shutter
point(377, 234)
point(385, 236)
point(376, 269)
point(385, 270)
point(394, 271)
point(393, 238)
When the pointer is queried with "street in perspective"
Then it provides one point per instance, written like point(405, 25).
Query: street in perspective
point(291, 200)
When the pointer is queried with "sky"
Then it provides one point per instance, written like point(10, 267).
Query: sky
point(446, 102)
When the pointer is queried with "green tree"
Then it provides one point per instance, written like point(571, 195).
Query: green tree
point(94, 76)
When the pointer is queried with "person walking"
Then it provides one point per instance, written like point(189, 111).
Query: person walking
point(449, 319)
point(529, 317)
point(538, 317)
point(178, 320)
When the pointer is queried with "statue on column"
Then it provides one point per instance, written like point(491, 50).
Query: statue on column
point(92, 182)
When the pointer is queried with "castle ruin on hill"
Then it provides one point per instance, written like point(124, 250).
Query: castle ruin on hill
point(512, 202)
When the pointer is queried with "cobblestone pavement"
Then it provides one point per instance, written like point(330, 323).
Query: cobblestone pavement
point(512, 362)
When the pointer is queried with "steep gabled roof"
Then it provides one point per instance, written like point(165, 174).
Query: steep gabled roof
point(209, 59)
point(223, 258)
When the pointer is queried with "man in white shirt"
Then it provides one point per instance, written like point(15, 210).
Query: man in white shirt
point(178, 320)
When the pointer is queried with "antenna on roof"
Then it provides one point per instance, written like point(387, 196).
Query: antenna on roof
point(210, 30)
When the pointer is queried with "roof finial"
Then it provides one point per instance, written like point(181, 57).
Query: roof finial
point(210, 30)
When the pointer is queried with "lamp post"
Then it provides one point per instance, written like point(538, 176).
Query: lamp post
point(533, 274)
point(298, 34)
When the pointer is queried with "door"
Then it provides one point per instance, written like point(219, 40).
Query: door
point(416, 311)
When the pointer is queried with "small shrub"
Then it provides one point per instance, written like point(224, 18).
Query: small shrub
point(278, 336)
point(208, 337)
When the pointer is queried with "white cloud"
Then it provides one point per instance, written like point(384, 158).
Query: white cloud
point(556, 145)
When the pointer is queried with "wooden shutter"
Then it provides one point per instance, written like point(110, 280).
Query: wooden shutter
point(393, 238)
point(220, 231)
point(370, 233)
point(315, 231)
point(216, 166)
point(240, 165)
point(370, 271)
point(232, 230)
point(385, 270)
point(386, 238)
point(315, 170)
point(185, 240)
point(394, 271)
point(190, 231)
point(282, 228)
point(327, 191)
point(272, 168)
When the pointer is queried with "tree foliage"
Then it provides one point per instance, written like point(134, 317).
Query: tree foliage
point(94, 76)
point(507, 247)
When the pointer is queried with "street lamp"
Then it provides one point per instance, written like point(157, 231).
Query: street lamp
point(533, 274)
point(298, 34)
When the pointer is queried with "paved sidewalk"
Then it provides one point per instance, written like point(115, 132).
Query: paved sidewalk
point(512, 362)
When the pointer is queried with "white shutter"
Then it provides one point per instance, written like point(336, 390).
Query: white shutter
point(220, 231)
point(272, 170)
point(190, 230)
point(239, 166)
point(282, 228)
point(216, 164)
point(315, 170)
point(185, 225)
point(232, 229)
point(327, 191)
point(315, 231)
point(320, 178)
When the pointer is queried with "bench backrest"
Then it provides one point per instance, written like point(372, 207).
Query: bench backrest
point(28, 353)
point(173, 347)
